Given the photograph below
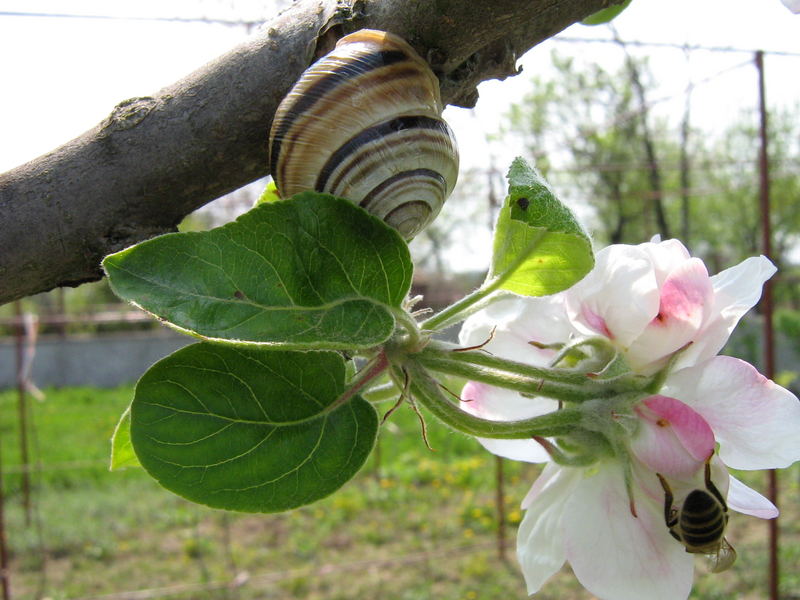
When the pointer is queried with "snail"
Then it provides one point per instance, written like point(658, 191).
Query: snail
point(364, 123)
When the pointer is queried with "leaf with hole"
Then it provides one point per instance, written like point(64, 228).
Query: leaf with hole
point(539, 246)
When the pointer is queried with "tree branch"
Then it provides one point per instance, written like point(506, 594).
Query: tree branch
point(155, 159)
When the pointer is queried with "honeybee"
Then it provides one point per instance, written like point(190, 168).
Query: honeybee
point(700, 522)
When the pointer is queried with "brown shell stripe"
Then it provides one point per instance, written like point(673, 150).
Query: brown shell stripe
point(333, 115)
point(325, 101)
point(322, 86)
point(401, 130)
point(359, 166)
point(407, 206)
point(416, 177)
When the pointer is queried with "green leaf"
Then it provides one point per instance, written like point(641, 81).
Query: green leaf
point(314, 271)
point(270, 194)
point(605, 15)
point(122, 453)
point(250, 429)
point(539, 246)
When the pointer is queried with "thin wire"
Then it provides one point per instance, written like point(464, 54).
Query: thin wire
point(689, 47)
point(776, 174)
point(210, 21)
point(671, 166)
point(59, 466)
point(567, 39)
point(649, 104)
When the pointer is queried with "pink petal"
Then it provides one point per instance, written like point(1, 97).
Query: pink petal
point(755, 421)
point(618, 298)
point(748, 501)
point(595, 322)
point(736, 290)
point(689, 427)
point(673, 439)
point(497, 404)
point(686, 296)
point(792, 5)
point(665, 256)
point(616, 555)
point(540, 540)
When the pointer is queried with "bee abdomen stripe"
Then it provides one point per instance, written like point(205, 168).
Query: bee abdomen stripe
point(698, 540)
point(701, 532)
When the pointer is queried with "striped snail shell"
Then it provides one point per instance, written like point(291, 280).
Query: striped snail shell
point(364, 123)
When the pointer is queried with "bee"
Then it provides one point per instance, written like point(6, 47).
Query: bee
point(700, 522)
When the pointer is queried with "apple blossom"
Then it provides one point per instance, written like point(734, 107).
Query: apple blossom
point(602, 502)
point(653, 299)
point(792, 5)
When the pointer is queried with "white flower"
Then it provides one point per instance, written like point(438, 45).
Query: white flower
point(792, 5)
point(650, 301)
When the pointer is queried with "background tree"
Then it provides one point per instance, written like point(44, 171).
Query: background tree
point(727, 215)
point(588, 122)
point(595, 117)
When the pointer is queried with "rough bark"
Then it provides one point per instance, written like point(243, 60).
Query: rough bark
point(155, 159)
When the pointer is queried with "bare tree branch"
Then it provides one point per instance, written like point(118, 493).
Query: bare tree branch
point(157, 158)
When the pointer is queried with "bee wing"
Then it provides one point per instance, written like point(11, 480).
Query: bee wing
point(723, 558)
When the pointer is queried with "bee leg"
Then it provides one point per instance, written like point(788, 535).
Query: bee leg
point(710, 484)
point(670, 517)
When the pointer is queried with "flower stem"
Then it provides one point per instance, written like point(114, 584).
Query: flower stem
point(472, 302)
point(535, 381)
point(477, 357)
point(373, 370)
point(407, 322)
point(458, 311)
point(381, 393)
point(427, 392)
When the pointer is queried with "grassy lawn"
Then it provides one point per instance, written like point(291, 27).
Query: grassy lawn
point(414, 524)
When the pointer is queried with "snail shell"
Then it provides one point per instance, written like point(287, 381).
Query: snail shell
point(364, 123)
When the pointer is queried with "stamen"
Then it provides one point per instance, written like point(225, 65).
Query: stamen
point(422, 424)
point(411, 302)
point(394, 408)
point(403, 396)
point(546, 444)
point(479, 346)
point(453, 394)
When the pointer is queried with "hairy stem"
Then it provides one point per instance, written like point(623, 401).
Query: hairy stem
point(428, 393)
point(527, 379)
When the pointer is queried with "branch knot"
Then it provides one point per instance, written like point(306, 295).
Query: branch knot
point(129, 113)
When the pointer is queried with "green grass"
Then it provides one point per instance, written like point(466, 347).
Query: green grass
point(416, 525)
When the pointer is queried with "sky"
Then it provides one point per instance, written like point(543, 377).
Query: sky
point(62, 75)
point(709, 23)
